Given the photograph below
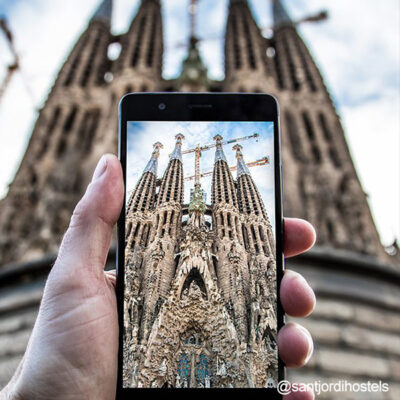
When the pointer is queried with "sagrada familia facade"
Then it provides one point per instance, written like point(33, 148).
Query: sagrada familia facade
point(78, 123)
point(356, 322)
point(200, 298)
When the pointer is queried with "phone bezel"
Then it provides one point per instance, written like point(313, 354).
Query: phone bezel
point(199, 107)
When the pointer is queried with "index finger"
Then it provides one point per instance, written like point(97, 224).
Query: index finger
point(299, 236)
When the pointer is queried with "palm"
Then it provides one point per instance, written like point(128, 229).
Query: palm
point(72, 353)
point(77, 329)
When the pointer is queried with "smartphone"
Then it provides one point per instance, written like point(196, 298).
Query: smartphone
point(200, 259)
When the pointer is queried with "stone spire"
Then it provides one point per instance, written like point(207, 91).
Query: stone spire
point(153, 162)
point(246, 63)
point(241, 165)
point(281, 17)
point(142, 48)
point(194, 75)
point(103, 12)
point(166, 226)
point(229, 240)
point(257, 232)
point(177, 153)
point(294, 68)
point(88, 61)
point(223, 186)
point(219, 152)
point(250, 201)
point(143, 197)
point(172, 181)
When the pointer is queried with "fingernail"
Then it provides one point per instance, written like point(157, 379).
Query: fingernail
point(296, 275)
point(100, 168)
point(310, 342)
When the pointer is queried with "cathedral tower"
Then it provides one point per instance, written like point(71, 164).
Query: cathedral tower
point(88, 62)
point(256, 239)
point(232, 279)
point(261, 264)
point(160, 256)
point(319, 173)
point(62, 140)
point(247, 67)
point(194, 76)
point(138, 68)
point(139, 219)
point(315, 148)
point(141, 202)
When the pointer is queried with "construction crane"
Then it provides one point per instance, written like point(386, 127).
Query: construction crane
point(225, 142)
point(199, 149)
point(13, 67)
point(320, 16)
point(257, 163)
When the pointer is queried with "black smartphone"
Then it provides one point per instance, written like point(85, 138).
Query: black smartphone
point(200, 243)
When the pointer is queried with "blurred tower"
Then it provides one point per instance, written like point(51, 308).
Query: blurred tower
point(319, 174)
point(138, 67)
point(246, 63)
point(60, 156)
point(194, 75)
point(77, 125)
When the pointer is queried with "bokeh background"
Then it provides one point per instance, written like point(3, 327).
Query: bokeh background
point(357, 49)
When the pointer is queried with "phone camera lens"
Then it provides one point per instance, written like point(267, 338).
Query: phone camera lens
point(162, 106)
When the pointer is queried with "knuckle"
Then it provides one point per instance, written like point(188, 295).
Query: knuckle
point(80, 215)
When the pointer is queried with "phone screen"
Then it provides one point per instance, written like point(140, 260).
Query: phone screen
point(200, 287)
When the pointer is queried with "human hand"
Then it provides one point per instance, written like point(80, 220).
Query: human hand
point(72, 352)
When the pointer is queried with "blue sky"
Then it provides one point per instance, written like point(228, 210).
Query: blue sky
point(356, 49)
point(142, 135)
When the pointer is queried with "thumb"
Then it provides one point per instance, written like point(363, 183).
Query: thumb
point(86, 243)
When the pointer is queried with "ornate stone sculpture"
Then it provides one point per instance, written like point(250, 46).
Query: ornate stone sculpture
point(200, 300)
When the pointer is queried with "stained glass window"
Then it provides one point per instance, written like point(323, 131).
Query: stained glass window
point(202, 370)
point(184, 367)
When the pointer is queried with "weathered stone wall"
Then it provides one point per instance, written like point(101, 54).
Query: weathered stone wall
point(356, 323)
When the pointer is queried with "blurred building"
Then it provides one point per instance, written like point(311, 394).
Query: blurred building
point(356, 323)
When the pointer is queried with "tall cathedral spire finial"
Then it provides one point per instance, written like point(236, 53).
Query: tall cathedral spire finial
point(177, 153)
point(104, 11)
point(219, 152)
point(241, 165)
point(281, 17)
point(192, 12)
point(153, 163)
point(194, 75)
